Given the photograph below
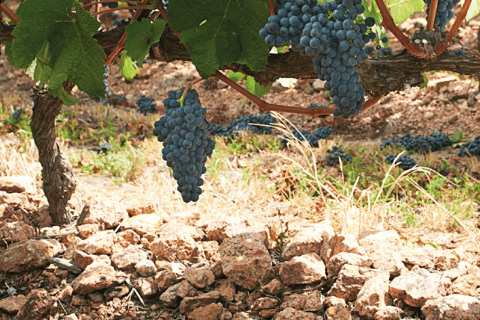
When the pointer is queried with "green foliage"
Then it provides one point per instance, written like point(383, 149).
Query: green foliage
point(401, 10)
point(257, 89)
point(128, 67)
point(425, 82)
point(457, 136)
point(235, 76)
point(473, 11)
point(218, 32)
point(141, 35)
point(53, 37)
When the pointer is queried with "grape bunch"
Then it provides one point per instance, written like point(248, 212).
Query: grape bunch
point(111, 5)
point(255, 123)
point(333, 36)
point(434, 142)
point(186, 146)
point(146, 105)
point(405, 162)
point(16, 115)
point(470, 148)
point(336, 154)
point(444, 12)
point(321, 133)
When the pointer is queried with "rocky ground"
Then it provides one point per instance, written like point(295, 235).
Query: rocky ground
point(118, 262)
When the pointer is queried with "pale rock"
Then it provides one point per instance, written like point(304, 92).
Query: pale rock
point(17, 231)
point(294, 314)
point(18, 184)
point(310, 240)
point(274, 288)
point(146, 268)
point(296, 301)
point(66, 293)
point(459, 89)
point(454, 306)
point(210, 248)
point(211, 311)
point(318, 85)
point(187, 218)
point(145, 286)
point(467, 283)
point(421, 257)
point(127, 237)
point(340, 243)
point(350, 281)
point(135, 210)
point(72, 316)
point(246, 261)
point(339, 260)
point(99, 243)
point(38, 303)
point(143, 223)
point(199, 277)
point(336, 309)
point(189, 304)
point(89, 229)
point(173, 247)
point(220, 230)
point(305, 269)
point(128, 258)
point(165, 279)
point(185, 289)
point(373, 296)
point(389, 313)
point(227, 289)
point(416, 287)
point(17, 201)
point(116, 292)
point(12, 304)
point(242, 316)
point(105, 212)
point(264, 303)
point(79, 300)
point(29, 255)
point(172, 228)
point(97, 276)
point(96, 297)
point(314, 302)
point(169, 298)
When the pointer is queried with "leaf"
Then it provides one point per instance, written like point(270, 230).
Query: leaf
point(457, 136)
point(401, 10)
point(128, 67)
point(425, 82)
point(141, 35)
point(255, 88)
point(8, 51)
point(67, 99)
point(235, 76)
point(473, 11)
point(73, 54)
point(218, 32)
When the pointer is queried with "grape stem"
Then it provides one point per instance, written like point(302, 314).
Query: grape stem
point(190, 86)
point(271, 5)
point(453, 30)
point(433, 13)
point(9, 13)
point(121, 42)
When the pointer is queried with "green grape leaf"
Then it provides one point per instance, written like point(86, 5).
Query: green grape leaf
point(127, 66)
point(218, 32)
point(473, 11)
point(8, 51)
point(60, 92)
point(73, 54)
point(257, 89)
point(140, 37)
point(457, 136)
point(425, 82)
point(235, 76)
point(401, 10)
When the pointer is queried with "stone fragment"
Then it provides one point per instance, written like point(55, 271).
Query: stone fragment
point(88, 230)
point(169, 298)
point(227, 289)
point(294, 314)
point(38, 303)
point(127, 237)
point(318, 85)
point(467, 283)
point(338, 261)
point(83, 260)
point(145, 286)
point(79, 300)
point(242, 316)
point(96, 297)
point(66, 265)
point(12, 304)
point(66, 293)
point(264, 303)
point(274, 288)
point(96, 276)
point(72, 316)
point(143, 223)
point(189, 304)
point(295, 301)
point(173, 228)
point(210, 249)
point(29, 255)
point(135, 210)
point(340, 243)
point(165, 279)
point(212, 311)
point(18, 184)
point(17, 231)
point(314, 302)
point(245, 260)
point(310, 240)
point(146, 268)
point(173, 247)
point(417, 256)
point(105, 212)
point(185, 289)
point(99, 243)
point(128, 258)
point(199, 277)
point(388, 313)
point(305, 269)
point(416, 287)
point(220, 230)
point(450, 307)
point(116, 292)
point(373, 296)
point(337, 313)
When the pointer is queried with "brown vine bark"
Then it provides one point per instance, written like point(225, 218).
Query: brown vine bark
point(58, 180)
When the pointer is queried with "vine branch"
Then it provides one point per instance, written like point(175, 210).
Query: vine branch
point(432, 14)
point(9, 13)
point(271, 5)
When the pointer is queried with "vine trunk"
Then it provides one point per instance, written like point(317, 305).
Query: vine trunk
point(59, 182)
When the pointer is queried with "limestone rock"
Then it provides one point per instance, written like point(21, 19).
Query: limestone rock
point(220, 230)
point(12, 305)
point(305, 269)
point(96, 276)
point(173, 247)
point(165, 279)
point(18, 184)
point(338, 261)
point(388, 313)
point(105, 212)
point(128, 258)
point(143, 223)
point(212, 311)
point(199, 277)
point(294, 314)
point(146, 268)
point(99, 243)
point(17, 231)
point(191, 303)
point(37, 304)
point(373, 296)
point(173, 228)
point(135, 210)
point(169, 298)
point(454, 306)
point(310, 240)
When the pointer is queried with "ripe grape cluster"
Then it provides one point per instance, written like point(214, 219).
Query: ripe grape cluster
point(16, 115)
point(146, 105)
point(111, 5)
point(444, 12)
point(470, 148)
point(333, 36)
point(434, 142)
point(336, 154)
point(255, 123)
point(186, 146)
point(321, 133)
point(405, 162)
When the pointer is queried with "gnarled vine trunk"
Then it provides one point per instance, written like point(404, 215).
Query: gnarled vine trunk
point(58, 180)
